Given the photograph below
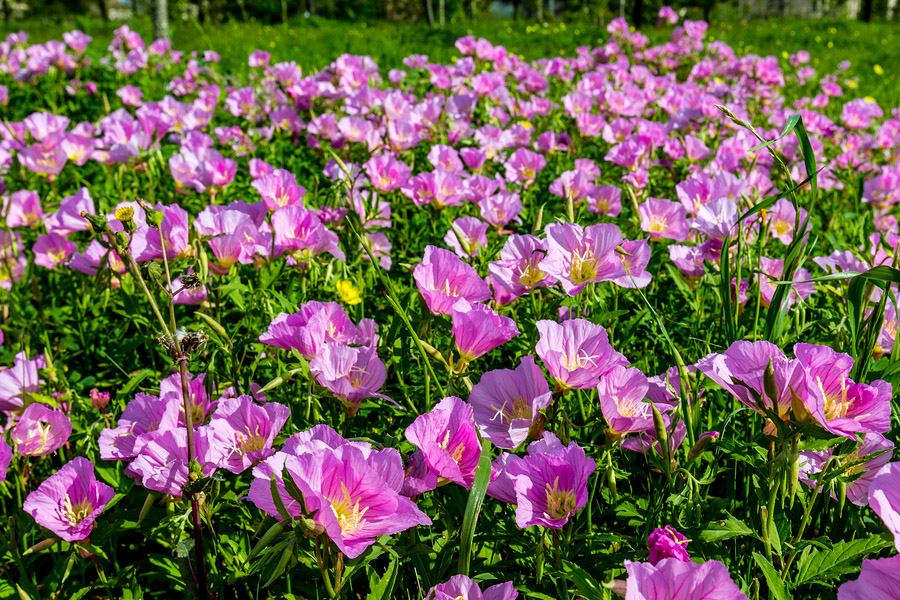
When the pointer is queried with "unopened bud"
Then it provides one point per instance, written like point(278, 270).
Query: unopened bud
point(121, 239)
point(659, 426)
point(99, 400)
point(154, 217)
point(97, 222)
point(769, 385)
point(152, 271)
point(700, 446)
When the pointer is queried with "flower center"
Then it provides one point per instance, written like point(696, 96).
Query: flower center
point(560, 503)
point(77, 513)
point(348, 513)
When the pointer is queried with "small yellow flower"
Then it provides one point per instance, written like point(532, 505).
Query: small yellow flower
point(526, 124)
point(870, 99)
point(852, 84)
point(879, 70)
point(348, 293)
point(830, 44)
point(785, 55)
point(124, 213)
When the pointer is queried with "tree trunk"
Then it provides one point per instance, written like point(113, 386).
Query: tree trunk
point(441, 13)
point(429, 13)
point(4, 4)
point(161, 19)
point(865, 13)
point(637, 13)
point(516, 5)
point(474, 9)
point(311, 7)
point(104, 10)
point(540, 11)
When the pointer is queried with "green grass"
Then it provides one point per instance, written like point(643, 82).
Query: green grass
point(314, 43)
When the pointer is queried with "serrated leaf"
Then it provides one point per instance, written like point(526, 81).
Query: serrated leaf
point(773, 577)
point(842, 558)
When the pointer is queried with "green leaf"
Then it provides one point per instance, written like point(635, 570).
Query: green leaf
point(473, 507)
point(726, 529)
point(586, 585)
point(842, 558)
point(773, 577)
point(134, 381)
point(384, 588)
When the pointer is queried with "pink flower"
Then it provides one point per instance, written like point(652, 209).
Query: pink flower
point(672, 579)
point(519, 269)
point(635, 256)
point(523, 166)
point(68, 502)
point(386, 172)
point(162, 464)
point(248, 429)
point(862, 474)
point(448, 440)
point(460, 587)
point(663, 219)
point(5, 458)
point(467, 236)
point(51, 250)
point(576, 353)
point(443, 279)
point(279, 189)
point(840, 405)
point(550, 483)
point(316, 323)
point(667, 543)
point(773, 270)
point(878, 580)
point(477, 330)
point(351, 373)
point(41, 430)
point(884, 498)
point(579, 255)
point(143, 416)
point(23, 209)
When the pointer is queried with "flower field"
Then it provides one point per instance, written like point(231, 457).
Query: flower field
point(615, 323)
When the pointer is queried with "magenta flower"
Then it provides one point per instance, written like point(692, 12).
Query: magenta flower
point(884, 498)
point(857, 490)
point(68, 502)
point(740, 371)
point(716, 219)
point(499, 209)
point(300, 233)
point(67, 218)
point(5, 458)
point(576, 353)
point(249, 429)
point(579, 255)
point(635, 256)
point(672, 579)
point(162, 464)
point(550, 483)
point(772, 270)
point(664, 219)
point(442, 279)
point(467, 236)
point(316, 323)
point(40, 430)
point(23, 209)
point(22, 378)
point(386, 172)
point(519, 268)
point(51, 250)
point(523, 166)
point(622, 392)
point(460, 587)
point(199, 402)
point(667, 543)
point(351, 373)
point(351, 500)
point(477, 330)
point(279, 189)
point(878, 580)
point(841, 406)
point(142, 416)
point(506, 403)
point(448, 440)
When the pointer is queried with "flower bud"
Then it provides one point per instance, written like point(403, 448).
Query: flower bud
point(97, 222)
point(769, 385)
point(659, 426)
point(154, 217)
point(700, 446)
